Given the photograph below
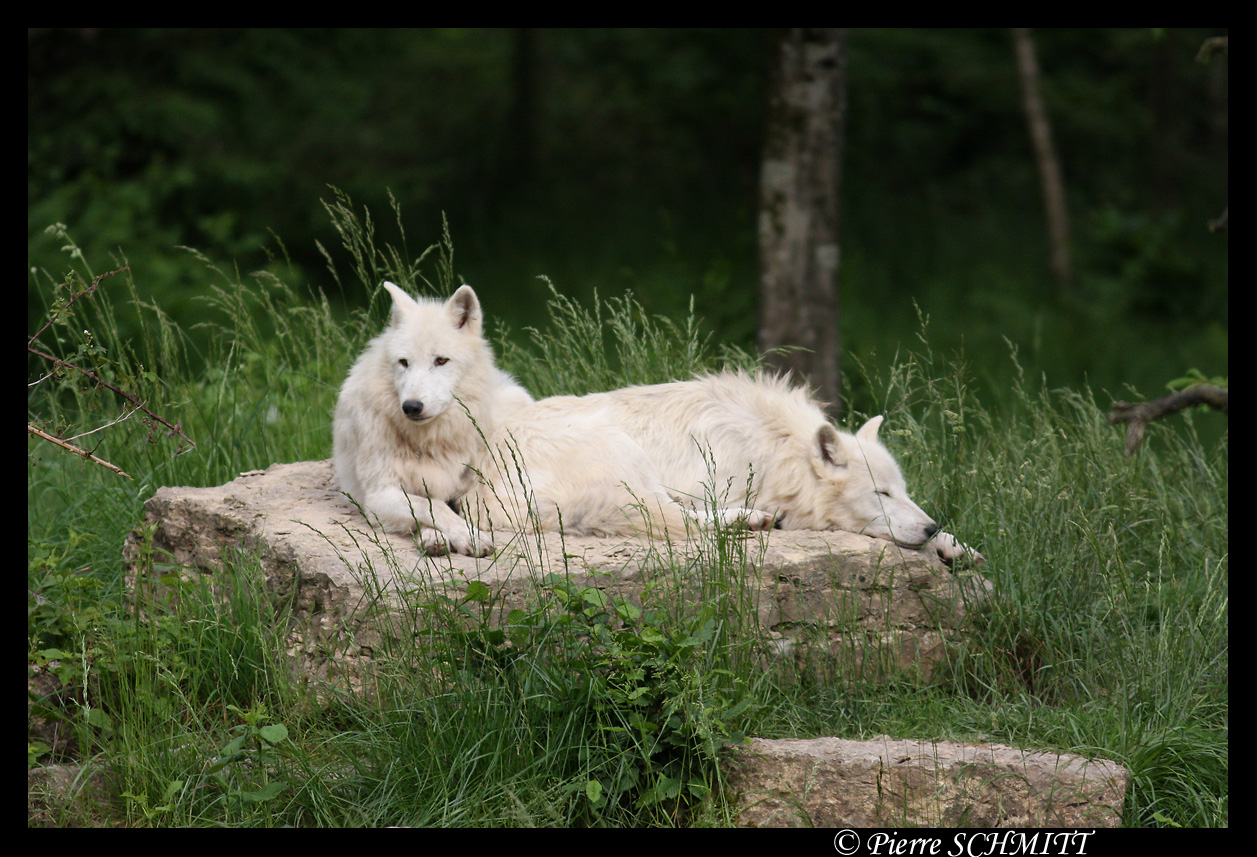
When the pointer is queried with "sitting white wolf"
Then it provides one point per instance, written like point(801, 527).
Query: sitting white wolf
point(410, 416)
point(652, 457)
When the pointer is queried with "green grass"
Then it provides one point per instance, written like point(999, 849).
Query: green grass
point(1107, 635)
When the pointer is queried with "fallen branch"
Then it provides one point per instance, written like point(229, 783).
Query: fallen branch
point(135, 402)
point(60, 310)
point(1139, 415)
point(72, 448)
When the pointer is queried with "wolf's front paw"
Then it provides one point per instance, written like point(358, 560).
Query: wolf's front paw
point(737, 518)
point(433, 542)
point(754, 519)
point(472, 542)
point(950, 548)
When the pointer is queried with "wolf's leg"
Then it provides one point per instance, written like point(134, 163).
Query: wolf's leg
point(737, 517)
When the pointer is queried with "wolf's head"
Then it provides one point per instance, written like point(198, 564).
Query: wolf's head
point(432, 348)
point(860, 488)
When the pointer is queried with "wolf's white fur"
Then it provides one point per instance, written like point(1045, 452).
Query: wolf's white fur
point(411, 414)
point(654, 456)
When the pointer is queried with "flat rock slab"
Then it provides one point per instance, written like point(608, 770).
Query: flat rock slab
point(873, 603)
point(828, 782)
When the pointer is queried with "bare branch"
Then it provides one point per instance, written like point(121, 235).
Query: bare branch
point(1210, 47)
point(72, 448)
point(1139, 415)
point(58, 364)
point(130, 398)
point(126, 415)
point(87, 291)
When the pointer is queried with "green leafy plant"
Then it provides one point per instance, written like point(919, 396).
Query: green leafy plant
point(242, 768)
point(151, 813)
point(660, 705)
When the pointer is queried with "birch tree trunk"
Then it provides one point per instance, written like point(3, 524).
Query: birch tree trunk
point(798, 222)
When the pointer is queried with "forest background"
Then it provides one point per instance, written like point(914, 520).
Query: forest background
point(629, 159)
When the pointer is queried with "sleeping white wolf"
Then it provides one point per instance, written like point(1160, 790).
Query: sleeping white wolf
point(727, 448)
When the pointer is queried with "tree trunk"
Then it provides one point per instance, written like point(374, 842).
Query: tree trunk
point(1045, 156)
point(798, 225)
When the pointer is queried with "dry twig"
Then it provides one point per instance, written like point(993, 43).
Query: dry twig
point(72, 448)
point(58, 363)
point(1139, 415)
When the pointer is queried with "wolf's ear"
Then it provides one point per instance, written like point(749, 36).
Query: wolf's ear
point(464, 310)
point(868, 431)
point(401, 300)
point(829, 447)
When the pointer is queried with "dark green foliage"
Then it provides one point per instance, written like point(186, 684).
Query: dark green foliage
point(628, 159)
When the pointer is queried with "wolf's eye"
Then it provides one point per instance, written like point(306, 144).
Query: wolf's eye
point(441, 361)
point(403, 363)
